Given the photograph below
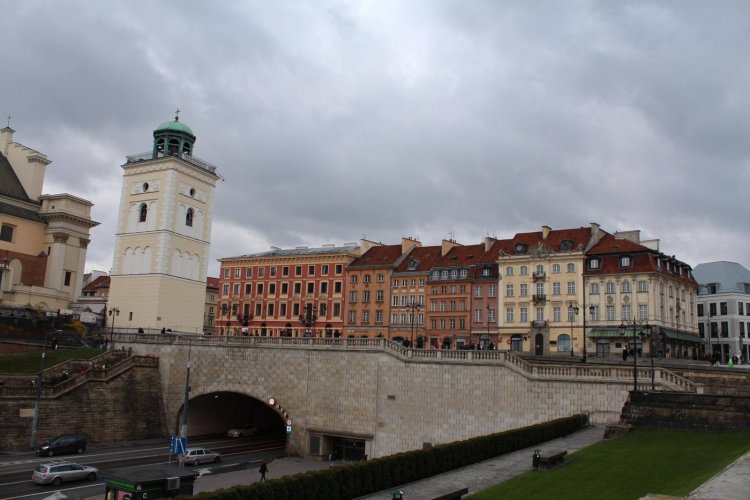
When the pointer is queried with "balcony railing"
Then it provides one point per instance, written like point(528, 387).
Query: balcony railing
point(193, 160)
point(539, 323)
point(539, 297)
point(540, 275)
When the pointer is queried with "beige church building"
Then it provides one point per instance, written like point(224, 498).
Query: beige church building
point(158, 277)
point(43, 237)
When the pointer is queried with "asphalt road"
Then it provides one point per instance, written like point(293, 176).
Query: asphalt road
point(237, 454)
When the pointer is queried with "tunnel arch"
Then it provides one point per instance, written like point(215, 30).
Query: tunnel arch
point(214, 413)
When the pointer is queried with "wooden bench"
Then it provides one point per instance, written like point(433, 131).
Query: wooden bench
point(455, 494)
point(549, 458)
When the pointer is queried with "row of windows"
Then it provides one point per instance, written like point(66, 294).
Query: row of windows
point(625, 287)
point(396, 319)
point(445, 274)
point(411, 282)
point(285, 270)
point(721, 329)
point(283, 310)
point(524, 270)
point(524, 289)
point(284, 287)
point(743, 309)
point(625, 313)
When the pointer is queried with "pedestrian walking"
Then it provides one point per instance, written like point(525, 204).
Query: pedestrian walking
point(263, 470)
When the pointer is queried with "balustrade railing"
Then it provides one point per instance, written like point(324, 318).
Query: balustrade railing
point(663, 378)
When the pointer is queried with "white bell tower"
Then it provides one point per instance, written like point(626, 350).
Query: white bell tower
point(163, 235)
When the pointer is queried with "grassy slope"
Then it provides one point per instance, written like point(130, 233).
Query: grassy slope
point(665, 462)
point(28, 363)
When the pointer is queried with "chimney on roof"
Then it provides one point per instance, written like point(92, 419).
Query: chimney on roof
point(545, 232)
point(632, 236)
point(408, 243)
point(596, 235)
point(447, 245)
point(365, 245)
point(488, 242)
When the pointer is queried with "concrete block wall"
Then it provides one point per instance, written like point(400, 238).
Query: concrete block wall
point(128, 407)
point(401, 403)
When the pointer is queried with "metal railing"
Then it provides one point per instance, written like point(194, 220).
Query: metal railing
point(101, 368)
point(193, 160)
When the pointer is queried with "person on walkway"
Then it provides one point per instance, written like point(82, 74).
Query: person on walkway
point(163, 330)
point(263, 470)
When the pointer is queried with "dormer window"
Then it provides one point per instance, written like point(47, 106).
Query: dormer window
point(566, 246)
point(464, 273)
point(143, 213)
point(435, 275)
point(189, 217)
point(486, 271)
point(521, 248)
point(594, 263)
point(625, 261)
point(413, 265)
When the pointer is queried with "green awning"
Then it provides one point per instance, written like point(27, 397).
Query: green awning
point(683, 336)
point(604, 332)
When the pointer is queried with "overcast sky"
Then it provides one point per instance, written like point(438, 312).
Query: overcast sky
point(334, 120)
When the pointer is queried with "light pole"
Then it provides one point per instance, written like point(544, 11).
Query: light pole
point(489, 338)
point(308, 319)
point(35, 420)
point(572, 313)
point(644, 326)
point(413, 307)
point(114, 311)
point(184, 419)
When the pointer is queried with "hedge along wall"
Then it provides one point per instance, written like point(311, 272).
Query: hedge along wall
point(363, 478)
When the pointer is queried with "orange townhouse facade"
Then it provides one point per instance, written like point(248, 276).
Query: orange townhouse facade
point(449, 295)
point(297, 292)
point(368, 287)
point(408, 295)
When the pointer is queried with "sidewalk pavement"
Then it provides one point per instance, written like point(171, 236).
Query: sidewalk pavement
point(731, 484)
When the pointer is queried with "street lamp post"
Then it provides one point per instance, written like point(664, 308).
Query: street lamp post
point(489, 338)
point(413, 307)
point(113, 312)
point(644, 326)
point(572, 313)
point(308, 319)
point(37, 402)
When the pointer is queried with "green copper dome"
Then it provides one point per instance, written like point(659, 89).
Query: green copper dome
point(174, 126)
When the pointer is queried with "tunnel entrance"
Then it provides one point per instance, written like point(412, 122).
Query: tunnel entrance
point(215, 413)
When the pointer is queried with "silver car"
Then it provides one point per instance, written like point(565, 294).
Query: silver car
point(59, 471)
point(197, 456)
point(245, 430)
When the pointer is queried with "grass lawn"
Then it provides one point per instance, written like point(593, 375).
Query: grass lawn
point(664, 462)
point(28, 363)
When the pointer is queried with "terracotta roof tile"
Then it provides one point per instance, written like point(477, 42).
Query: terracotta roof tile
point(212, 283)
point(100, 282)
point(425, 256)
point(462, 256)
point(379, 256)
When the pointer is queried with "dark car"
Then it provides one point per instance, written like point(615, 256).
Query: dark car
point(61, 445)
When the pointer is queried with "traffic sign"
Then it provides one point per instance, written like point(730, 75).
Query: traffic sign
point(177, 445)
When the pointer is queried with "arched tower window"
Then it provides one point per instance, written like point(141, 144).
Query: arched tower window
point(173, 138)
point(143, 213)
point(189, 217)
